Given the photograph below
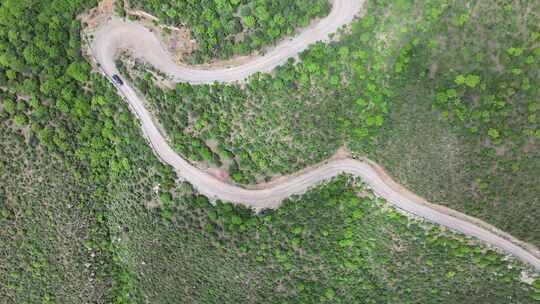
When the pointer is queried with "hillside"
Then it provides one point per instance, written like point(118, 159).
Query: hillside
point(438, 94)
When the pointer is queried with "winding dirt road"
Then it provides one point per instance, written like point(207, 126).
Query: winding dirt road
point(118, 34)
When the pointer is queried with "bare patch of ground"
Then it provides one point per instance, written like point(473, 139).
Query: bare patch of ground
point(153, 204)
point(527, 277)
point(433, 70)
point(99, 14)
point(529, 147)
point(176, 39)
point(363, 194)
point(221, 174)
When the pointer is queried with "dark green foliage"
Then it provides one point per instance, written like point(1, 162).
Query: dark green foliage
point(235, 27)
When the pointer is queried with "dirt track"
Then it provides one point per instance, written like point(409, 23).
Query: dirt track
point(117, 34)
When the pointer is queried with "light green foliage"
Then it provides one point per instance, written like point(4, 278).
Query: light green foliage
point(165, 198)
point(9, 106)
point(20, 120)
point(494, 134)
point(469, 80)
point(79, 71)
point(536, 286)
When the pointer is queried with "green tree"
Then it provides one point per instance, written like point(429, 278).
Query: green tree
point(20, 120)
point(78, 71)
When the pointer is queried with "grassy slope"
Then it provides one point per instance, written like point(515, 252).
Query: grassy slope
point(454, 160)
point(420, 150)
point(327, 246)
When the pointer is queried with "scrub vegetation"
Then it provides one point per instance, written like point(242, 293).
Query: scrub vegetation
point(47, 226)
point(88, 214)
point(437, 93)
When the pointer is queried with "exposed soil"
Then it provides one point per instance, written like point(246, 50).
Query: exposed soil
point(99, 14)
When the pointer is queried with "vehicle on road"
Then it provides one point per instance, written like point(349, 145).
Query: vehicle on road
point(117, 80)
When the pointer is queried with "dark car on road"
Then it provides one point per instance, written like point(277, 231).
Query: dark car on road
point(117, 79)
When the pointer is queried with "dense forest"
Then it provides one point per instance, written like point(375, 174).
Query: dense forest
point(234, 27)
point(89, 215)
point(447, 102)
